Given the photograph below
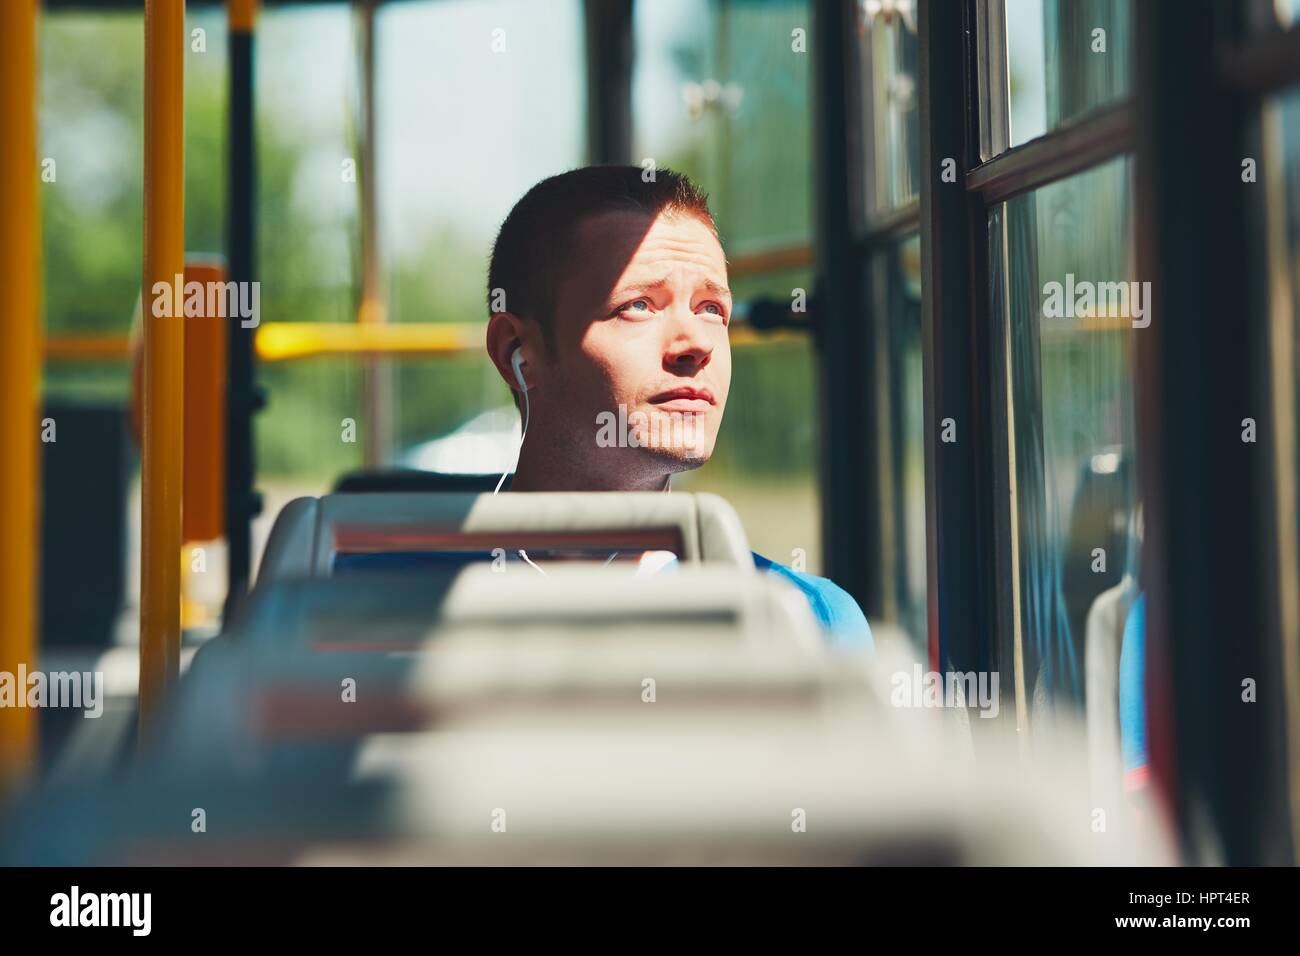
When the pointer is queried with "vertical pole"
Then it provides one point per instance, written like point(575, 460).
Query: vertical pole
point(243, 398)
point(609, 80)
point(377, 370)
point(850, 484)
point(19, 373)
point(956, 343)
point(164, 399)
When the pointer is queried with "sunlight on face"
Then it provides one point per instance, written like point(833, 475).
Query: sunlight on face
point(641, 334)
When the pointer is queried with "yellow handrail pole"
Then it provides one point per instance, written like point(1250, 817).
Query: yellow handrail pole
point(162, 420)
point(20, 363)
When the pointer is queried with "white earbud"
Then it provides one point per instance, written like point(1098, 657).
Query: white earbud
point(516, 360)
point(516, 363)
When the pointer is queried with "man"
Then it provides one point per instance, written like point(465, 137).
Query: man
point(613, 292)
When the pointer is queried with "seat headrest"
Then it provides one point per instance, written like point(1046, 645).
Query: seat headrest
point(309, 533)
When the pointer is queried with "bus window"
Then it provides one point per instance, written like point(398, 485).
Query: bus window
point(442, 197)
point(1065, 58)
point(719, 94)
point(887, 61)
point(1072, 313)
point(306, 222)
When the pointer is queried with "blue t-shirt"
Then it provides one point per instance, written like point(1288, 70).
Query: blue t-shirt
point(834, 608)
point(1132, 688)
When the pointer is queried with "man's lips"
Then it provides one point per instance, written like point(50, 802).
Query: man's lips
point(685, 399)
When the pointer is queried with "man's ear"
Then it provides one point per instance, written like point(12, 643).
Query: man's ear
point(505, 333)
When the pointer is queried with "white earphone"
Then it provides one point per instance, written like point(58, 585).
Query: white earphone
point(516, 363)
point(516, 360)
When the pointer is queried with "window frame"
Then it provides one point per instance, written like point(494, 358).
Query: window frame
point(970, 492)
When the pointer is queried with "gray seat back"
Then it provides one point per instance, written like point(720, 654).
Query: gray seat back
point(309, 532)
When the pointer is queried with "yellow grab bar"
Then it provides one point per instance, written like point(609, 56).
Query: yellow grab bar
point(162, 421)
point(20, 320)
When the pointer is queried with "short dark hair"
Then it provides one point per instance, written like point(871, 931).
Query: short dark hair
point(535, 238)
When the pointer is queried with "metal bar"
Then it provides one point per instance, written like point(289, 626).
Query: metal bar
point(164, 386)
point(242, 397)
point(609, 80)
point(956, 345)
point(851, 524)
point(288, 341)
point(1071, 149)
point(376, 373)
point(90, 347)
point(20, 323)
point(888, 227)
point(764, 261)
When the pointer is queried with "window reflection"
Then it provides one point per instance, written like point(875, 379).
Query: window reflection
point(1071, 379)
point(1064, 59)
point(887, 63)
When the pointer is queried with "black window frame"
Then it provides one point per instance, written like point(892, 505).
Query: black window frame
point(1214, 761)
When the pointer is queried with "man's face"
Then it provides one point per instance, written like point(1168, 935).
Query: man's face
point(641, 338)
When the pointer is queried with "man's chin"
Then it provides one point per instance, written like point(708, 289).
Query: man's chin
point(679, 460)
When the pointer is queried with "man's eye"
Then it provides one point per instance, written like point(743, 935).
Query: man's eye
point(641, 306)
point(713, 308)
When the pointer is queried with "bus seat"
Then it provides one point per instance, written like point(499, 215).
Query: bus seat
point(707, 785)
point(371, 480)
point(310, 533)
point(419, 647)
point(1105, 632)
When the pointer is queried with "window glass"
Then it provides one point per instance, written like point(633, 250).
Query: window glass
point(887, 64)
point(442, 196)
point(721, 92)
point(91, 87)
point(307, 222)
point(1065, 58)
point(1071, 305)
point(92, 228)
point(896, 284)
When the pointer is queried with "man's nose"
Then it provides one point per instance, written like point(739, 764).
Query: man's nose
point(689, 345)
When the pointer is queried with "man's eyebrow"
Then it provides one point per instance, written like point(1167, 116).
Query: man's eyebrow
point(648, 285)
